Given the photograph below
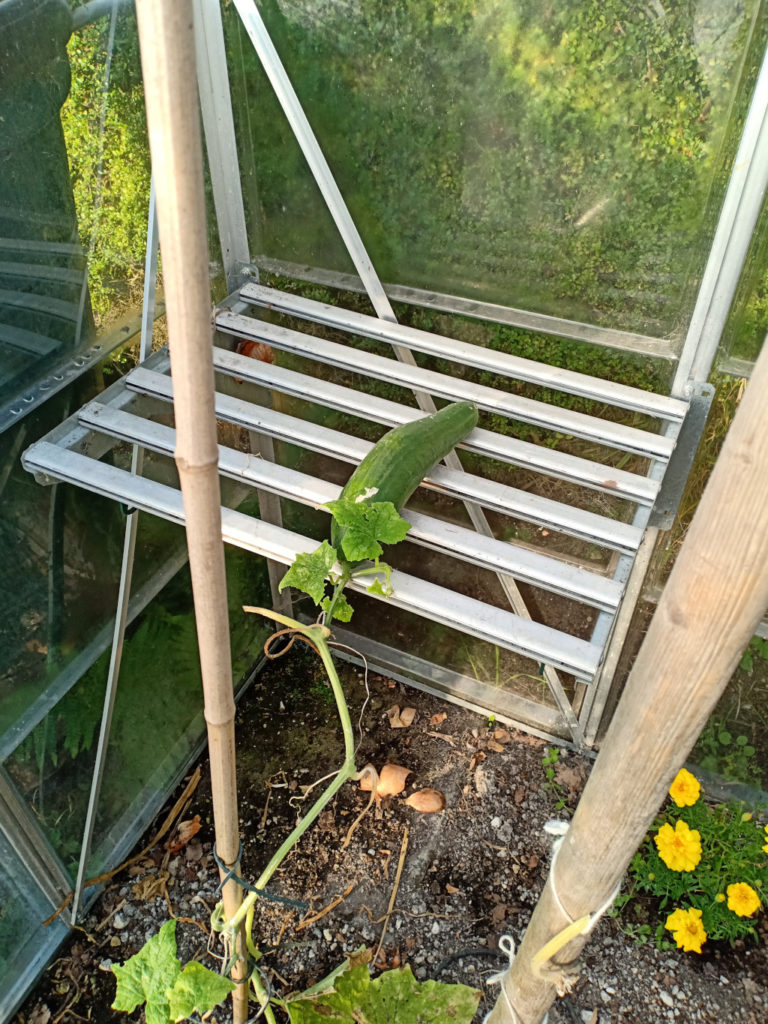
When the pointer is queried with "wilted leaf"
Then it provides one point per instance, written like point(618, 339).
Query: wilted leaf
point(502, 736)
point(185, 832)
point(428, 801)
point(570, 777)
point(436, 720)
point(451, 889)
point(151, 886)
point(496, 747)
point(407, 716)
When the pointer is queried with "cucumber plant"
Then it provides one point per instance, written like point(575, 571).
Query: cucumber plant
point(367, 512)
point(390, 473)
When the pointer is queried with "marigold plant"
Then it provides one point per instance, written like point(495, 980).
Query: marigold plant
point(742, 899)
point(685, 790)
point(687, 929)
point(706, 865)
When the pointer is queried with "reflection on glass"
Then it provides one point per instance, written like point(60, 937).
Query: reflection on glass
point(24, 945)
point(565, 158)
point(44, 305)
point(747, 325)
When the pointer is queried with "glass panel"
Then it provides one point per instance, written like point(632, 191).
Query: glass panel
point(564, 158)
point(74, 185)
point(747, 325)
point(25, 947)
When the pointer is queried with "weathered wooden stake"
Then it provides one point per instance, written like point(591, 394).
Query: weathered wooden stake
point(715, 597)
point(168, 64)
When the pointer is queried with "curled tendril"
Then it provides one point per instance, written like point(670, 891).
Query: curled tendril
point(294, 635)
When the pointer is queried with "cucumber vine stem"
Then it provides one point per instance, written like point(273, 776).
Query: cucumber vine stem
point(317, 634)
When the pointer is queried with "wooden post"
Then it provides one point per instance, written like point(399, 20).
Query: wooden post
point(715, 597)
point(168, 64)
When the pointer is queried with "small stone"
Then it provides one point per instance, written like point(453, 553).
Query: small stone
point(327, 934)
point(119, 922)
point(421, 973)
point(666, 998)
point(115, 941)
point(496, 822)
point(435, 928)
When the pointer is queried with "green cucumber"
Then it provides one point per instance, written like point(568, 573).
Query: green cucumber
point(397, 464)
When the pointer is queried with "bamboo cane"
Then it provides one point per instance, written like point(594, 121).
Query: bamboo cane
point(715, 597)
point(168, 64)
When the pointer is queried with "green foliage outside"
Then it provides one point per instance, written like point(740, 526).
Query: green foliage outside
point(111, 209)
point(566, 158)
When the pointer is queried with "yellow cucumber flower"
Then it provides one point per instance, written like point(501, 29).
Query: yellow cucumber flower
point(687, 929)
point(679, 847)
point(685, 789)
point(742, 899)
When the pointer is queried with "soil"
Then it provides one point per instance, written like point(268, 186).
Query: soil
point(470, 874)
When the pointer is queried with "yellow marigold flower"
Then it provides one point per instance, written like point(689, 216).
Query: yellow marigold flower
point(765, 848)
point(742, 899)
point(720, 898)
point(747, 816)
point(687, 929)
point(685, 789)
point(679, 847)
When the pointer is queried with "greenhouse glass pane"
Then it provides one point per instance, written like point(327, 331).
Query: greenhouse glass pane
point(564, 158)
point(25, 947)
point(74, 187)
point(747, 325)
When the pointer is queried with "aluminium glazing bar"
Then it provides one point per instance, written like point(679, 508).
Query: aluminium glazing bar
point(738, 217)
point(498, 626)
point(463, 352)
point(526, 566)
point(550, 461)
point(549, 417)
point(545, 512)
point(220, 141)
point(491, 312)
point(306, 139)
point(126, 570)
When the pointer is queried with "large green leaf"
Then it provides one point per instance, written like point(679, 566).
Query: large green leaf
point(197, 990)
point(395, 997)
point(149, 975)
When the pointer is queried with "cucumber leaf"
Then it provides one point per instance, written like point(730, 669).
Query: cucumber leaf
point(394, 995)
point(309, 571)
point(197, 990)
point(368, 526)
point(148, 975)
point(342, 610)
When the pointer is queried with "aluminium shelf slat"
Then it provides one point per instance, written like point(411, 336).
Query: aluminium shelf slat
point(589, 526)
point(524, 565)
point(467, 354)
point(527, 410)
point(563, 466)
point(495, 625)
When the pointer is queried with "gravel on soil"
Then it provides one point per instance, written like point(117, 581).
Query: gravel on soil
point(471, 873)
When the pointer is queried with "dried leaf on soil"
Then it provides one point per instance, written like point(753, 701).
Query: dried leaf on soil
point(499, 914)
point(570, 777)
point(438, 719)
point(502, 736)
point(150, 887)
point(496, 747)
point(391, 780)
point(451, 889)
point(428, 801)
point(185, 832)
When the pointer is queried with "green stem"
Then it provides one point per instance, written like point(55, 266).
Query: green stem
point(317, 635)
point(337, 590)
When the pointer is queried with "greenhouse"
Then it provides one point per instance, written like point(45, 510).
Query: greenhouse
point(240, 244)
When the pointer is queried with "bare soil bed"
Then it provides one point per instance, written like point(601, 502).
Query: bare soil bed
point(469, 874)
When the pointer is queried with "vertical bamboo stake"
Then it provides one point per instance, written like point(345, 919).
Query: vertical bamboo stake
point(715, 597)
point(168, 63)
